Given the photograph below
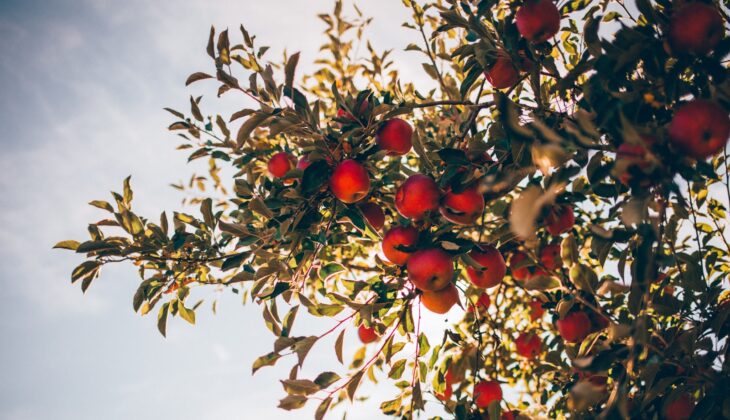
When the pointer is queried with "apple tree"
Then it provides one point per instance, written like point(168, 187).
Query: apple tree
point(561, 190)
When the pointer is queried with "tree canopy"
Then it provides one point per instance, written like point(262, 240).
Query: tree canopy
point(562, 188)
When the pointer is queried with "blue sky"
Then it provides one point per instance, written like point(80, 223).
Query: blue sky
point(83, 86)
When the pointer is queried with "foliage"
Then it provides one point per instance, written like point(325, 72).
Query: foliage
point(646, 259)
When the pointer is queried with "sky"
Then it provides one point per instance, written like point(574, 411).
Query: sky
point(83, 85)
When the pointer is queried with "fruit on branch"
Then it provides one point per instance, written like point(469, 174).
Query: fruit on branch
point(374, 214)
point(394, 242)
point(560, 219)
point(462, 208)
point(574, 327)
point(394, 136)
point(494, 267)
point(696, 28)
point(350, 181)
point(440, 301)
point(519, 272)
point(482, 303)
point(430, 269)
point(700, 128)
point(280, 164)
point(446, 395)
point(503, 73)
point(550, 257)
point(536, 310)
point(367, 334)
point(485, 392)
point(344, 114)
point(528, 345)
point(538, 20)
point(417, 196)
point(680, 409)
point(303, 163)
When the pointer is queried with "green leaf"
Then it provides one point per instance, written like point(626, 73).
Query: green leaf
point(197, 76)
point(300, 386)
point(162, 319)
point(69, 244)
point(314, 176)
point(265, 360)
point(185, 313)
point(289, 69)
point(338, 346)
point(127, 191)
point(325, 379)
point(396, 370)
point(292, 402)
point(322, 408)
point(102, 205)
point(330, 270)
point(354, 383)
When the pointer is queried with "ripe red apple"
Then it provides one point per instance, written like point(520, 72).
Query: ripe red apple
point(430, 269)
point(440, 301)
point(519, 273)
point(536, 309)
point(700, 128)
point(396, 237)
point(528, 345)
point(503, 73)
point(280, 164)
point(446, 396)
point(487, 391)
point(463, 208)
point(417, 196)
point(550, 257)
point(538, 20)
point(350, 181)
point(367, 334)
point(560, 219)
point(574, 327)
point(680, 409)
point(394, 136)
point(696, 28)
point(494, 267)
point(481, 304)
point(374, 214)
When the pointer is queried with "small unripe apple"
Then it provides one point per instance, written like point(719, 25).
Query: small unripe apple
point(700, 128)
point(418, 195)
point(430, 269)
point(494, 267)
point(350, 181)
point(560, 219)
point(440, 301)
point(487, 391)
point(463, 208)
point(374, 214)
point(538, 20)
point(367, 334)
point(550, 257)
point(574, 327)
point(519, 273)
point(528, 345)
point(397, 237)
point(482, 304)
point(696, 28)
point(503, 73)
point(536, 310)
point(394, 136)
point(680, 409)
point(280, 164)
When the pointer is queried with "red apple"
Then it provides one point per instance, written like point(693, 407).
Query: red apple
point(550, 257)
point(487, 391)
point(367, 334)
point(440, 301)
point(494, 267)
point(561, 219)
point(341, 113)
point(280, 164)
point(350, 181)
point(519, 273)
point(536, 310)
point(446, 396)
point(538, 20)
point(396, 237)
point(374, 214)
point(503, 73)
point(303, 163)
point(430, 269)
point(482, 303)
point(680, 409)
point(696, 28)
point(394, 136)
point(528, 345)
point(463, 208)
point(700, 128)
point(417, 196)
point(574, 327)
